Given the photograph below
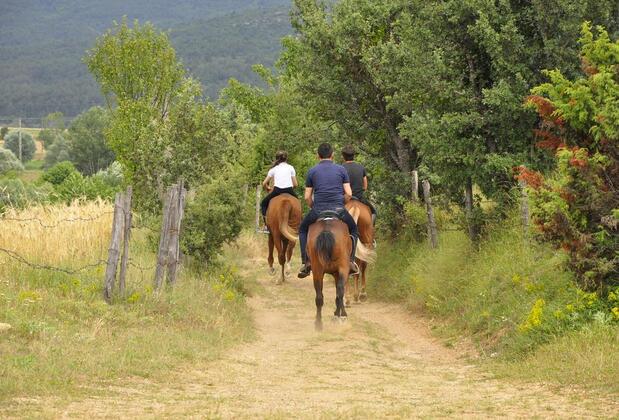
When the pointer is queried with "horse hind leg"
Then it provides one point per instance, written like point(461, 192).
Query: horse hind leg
point(340, 310)
point(270, 259)
point(363, 295)
point(281, 256)
point(319, 300)
point(289, 257)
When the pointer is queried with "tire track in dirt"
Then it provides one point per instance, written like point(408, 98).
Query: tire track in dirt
point(382, 362)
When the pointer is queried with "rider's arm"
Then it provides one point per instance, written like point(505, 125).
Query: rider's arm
point(308, 196)
point(347, 192)
point(265, 183)
point(295, 183)
point(365, 183)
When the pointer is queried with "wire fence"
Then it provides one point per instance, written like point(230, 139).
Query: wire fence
point(118, 235)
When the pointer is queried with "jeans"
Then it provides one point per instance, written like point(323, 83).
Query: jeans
point(264, 204)
point(312, 217)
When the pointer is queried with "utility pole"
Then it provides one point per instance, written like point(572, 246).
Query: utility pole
point(19, 134)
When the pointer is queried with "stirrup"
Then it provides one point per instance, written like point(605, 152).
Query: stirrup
point(305, 271)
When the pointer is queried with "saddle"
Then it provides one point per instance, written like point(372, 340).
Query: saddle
point(331, 215)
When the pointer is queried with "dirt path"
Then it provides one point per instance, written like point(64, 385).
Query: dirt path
point(381, 363)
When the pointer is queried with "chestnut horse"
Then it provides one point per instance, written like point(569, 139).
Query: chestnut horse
point(328, 248)
point(283, 219)
point(366, 254)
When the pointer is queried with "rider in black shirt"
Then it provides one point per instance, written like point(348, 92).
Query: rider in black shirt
point(358, 178)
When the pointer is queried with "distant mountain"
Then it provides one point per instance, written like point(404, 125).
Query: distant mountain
point(42, 43)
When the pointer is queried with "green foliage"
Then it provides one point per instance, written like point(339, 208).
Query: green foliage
point(3, 132)
point(511, 296)
point(57, 152)
point(47, 136)
point(59, 172)
point(54, 121)
point(8, 162)
point(433, 85)
point(212, 218)
point(28, 147)
point(576, 209)
point(87, 148)
point(15, 193)
point(160, 130)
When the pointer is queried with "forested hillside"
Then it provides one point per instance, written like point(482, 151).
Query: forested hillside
point(42, 44)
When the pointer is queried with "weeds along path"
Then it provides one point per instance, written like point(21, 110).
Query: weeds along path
point(381, 362)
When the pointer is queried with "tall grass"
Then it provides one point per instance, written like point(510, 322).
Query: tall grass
point(63, 335)
point(513, 297)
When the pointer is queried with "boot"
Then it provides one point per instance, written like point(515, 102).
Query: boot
point(304, 271)
point(354, 268)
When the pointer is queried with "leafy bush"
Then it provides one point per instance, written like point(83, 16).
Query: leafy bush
point(57, 152)
point(3, 132)
point(578, 208)
point(8, 162)
point(47, 137)
point(212, 218)
point(59, 172)
point(87, 147)
point(16, 193)
point(76, 186)
point(11, 142)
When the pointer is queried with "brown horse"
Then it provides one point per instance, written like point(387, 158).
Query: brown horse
point(366, 254)
point(328, 248)
point(283, 220)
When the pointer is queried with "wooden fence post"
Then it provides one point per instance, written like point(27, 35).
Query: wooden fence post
point(176, 217)
point(257, 208)
point(524, 208)
point(432, 230)
point(114, 250)
point(415, 186)
point(126, 237)
point(468, 205)
point(163, 239)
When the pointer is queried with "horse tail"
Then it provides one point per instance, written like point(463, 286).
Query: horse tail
point(325, 244)
point(284, 228)
point(365, 253)
point(355, 213)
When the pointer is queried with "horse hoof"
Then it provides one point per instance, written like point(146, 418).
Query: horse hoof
point(318, 325)
point(340, 319)
point(272, 271)
point(363, 297)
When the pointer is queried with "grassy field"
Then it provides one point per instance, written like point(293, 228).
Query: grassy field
point(513, 298)
point(62, 335)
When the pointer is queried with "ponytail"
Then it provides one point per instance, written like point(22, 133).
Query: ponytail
point(280, 157)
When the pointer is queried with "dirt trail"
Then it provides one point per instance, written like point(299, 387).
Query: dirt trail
point(382, 362)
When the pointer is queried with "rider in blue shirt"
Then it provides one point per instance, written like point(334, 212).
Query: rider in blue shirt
point(326, 187)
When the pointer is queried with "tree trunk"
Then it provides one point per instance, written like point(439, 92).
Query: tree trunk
point(468, 205)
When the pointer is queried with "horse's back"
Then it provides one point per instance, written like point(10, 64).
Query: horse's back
point(363, 217)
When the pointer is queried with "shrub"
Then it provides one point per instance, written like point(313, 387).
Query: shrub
point(3, 132)
point(47, 137)
point(59, 172)
point(57, 152)
point(76, 186)
point(15, 193)
point(212, 218)
point(87, 147)
point(8, 162)
point(577, 209)
point(11, 142)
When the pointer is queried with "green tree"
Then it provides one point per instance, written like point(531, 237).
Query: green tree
point(47, 137)
point(87, 148)
point(577, 208)
point(28, 146)
point(8, 162)
point(57, 152)
point(160, 129)
point(54, 121)
point(3, 132)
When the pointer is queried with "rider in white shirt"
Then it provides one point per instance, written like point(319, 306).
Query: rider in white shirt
point(284, 180)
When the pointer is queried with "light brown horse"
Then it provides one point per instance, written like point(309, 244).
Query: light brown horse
point(366, 254)
point(328, 248)
point(283, 219)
